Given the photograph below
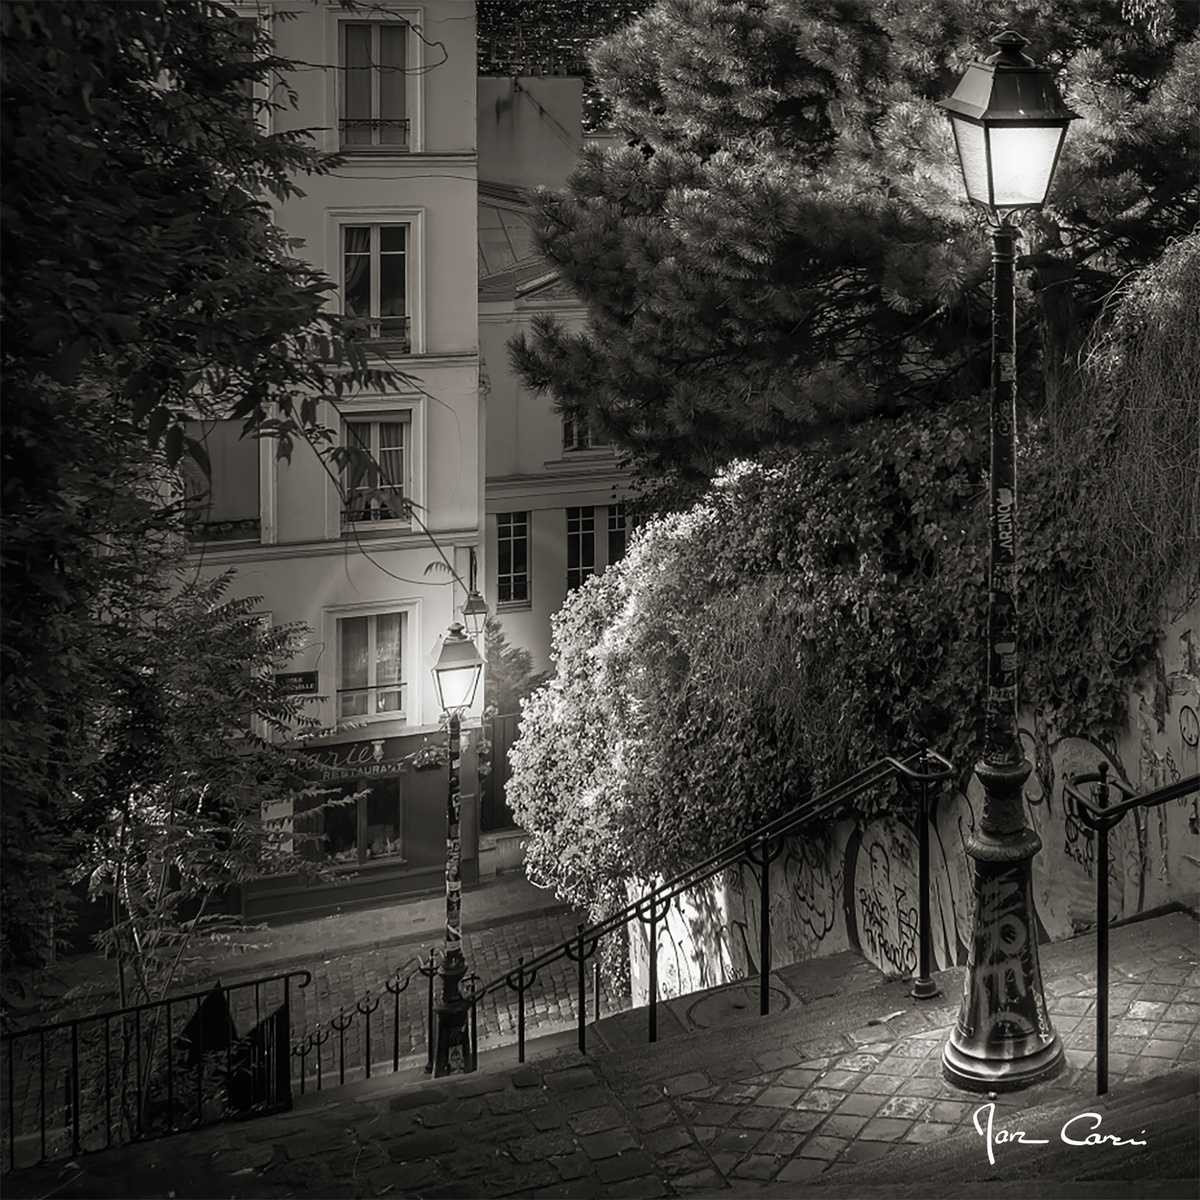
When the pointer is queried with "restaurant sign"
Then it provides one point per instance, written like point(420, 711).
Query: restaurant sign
point(363, 760)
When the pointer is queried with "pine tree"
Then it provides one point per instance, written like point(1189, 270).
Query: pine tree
point(781, 247)
point(510, 673)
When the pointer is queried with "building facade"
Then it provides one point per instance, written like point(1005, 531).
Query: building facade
point(393, 89)
point(553, 493)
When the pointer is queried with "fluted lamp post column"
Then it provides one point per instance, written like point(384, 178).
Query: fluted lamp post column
point(1009, 124)
point(456, 676)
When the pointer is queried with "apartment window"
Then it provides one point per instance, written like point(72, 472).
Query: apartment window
point(577, 435)
point(374, 79)
point(371, 665)
point(512, 558)
point(616, 532)
point(374, 487)
point(375, 281)
point(581, 545)
point(222, 505)
point(245, 34)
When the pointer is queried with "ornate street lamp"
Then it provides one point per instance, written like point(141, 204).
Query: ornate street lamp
point(456, 677)
point(1009, 124)
point(474, 614)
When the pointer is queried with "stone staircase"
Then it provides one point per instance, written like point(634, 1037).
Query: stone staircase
point(837, 1093)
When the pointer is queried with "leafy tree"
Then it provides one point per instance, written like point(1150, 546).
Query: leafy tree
point(781, 247)
point(145, 284)
point(194, 746)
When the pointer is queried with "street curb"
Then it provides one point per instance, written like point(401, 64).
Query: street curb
point(202, 979)
point(404, 939)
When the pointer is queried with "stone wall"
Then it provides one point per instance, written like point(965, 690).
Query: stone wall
point(854, 885)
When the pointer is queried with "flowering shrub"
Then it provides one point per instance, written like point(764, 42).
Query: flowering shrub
point(824, 607)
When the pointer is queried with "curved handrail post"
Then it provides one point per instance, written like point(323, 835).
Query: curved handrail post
point(924, 987)
point(1100, 816)
point(1101, 795)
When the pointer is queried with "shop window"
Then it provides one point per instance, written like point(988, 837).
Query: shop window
point(366, 830)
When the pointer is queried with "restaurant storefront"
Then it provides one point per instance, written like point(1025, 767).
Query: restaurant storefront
point(388, 839)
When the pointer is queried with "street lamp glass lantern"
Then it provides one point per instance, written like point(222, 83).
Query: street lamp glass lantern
point(458, 669)
point(1009, 123)
point(475, 613)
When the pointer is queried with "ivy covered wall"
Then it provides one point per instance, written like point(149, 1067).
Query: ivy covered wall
point(854, 885)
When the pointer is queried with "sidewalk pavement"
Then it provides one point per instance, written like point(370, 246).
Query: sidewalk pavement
point(796, 1101)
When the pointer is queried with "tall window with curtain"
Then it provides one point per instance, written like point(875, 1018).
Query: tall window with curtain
point(375, 281)
point(375, 484)
point(371, 665)
point(374, 81)
point(222, 504)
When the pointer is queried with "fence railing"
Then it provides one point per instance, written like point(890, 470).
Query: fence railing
point(364, 1039)
point(1100, 816)
point(760, 849)
point(354, 1040)
point(147, 1070)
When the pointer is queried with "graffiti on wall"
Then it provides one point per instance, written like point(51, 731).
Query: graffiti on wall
point(856, 886)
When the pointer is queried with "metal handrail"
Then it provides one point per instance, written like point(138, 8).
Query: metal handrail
point(305, 978)
point(331, 1050)
point(79, 1050)
point(760, 847)
point(1099, 816)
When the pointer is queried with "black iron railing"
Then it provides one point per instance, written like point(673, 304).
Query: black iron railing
point(1100, 816)
point(359, 1040)
point(147, 1070)
point(362, 1039)
point(759, 848)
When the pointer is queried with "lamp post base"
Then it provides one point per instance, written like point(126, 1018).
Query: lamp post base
point(453, 1051)
point(1003, 1039)
point(974, 1073)
point(924, 989)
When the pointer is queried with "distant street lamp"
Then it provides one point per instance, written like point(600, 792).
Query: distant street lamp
point(474, 614)
point(456, 677)
point(1009, 124)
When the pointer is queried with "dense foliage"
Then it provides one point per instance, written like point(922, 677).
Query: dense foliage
point(823, 607)
point(780, 245)
point(145, 283)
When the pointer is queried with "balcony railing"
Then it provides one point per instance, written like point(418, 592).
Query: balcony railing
point(385, 335)
point(384, 133)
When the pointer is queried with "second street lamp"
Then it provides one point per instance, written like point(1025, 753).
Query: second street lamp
point(1009, 125)
point(456, 677)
